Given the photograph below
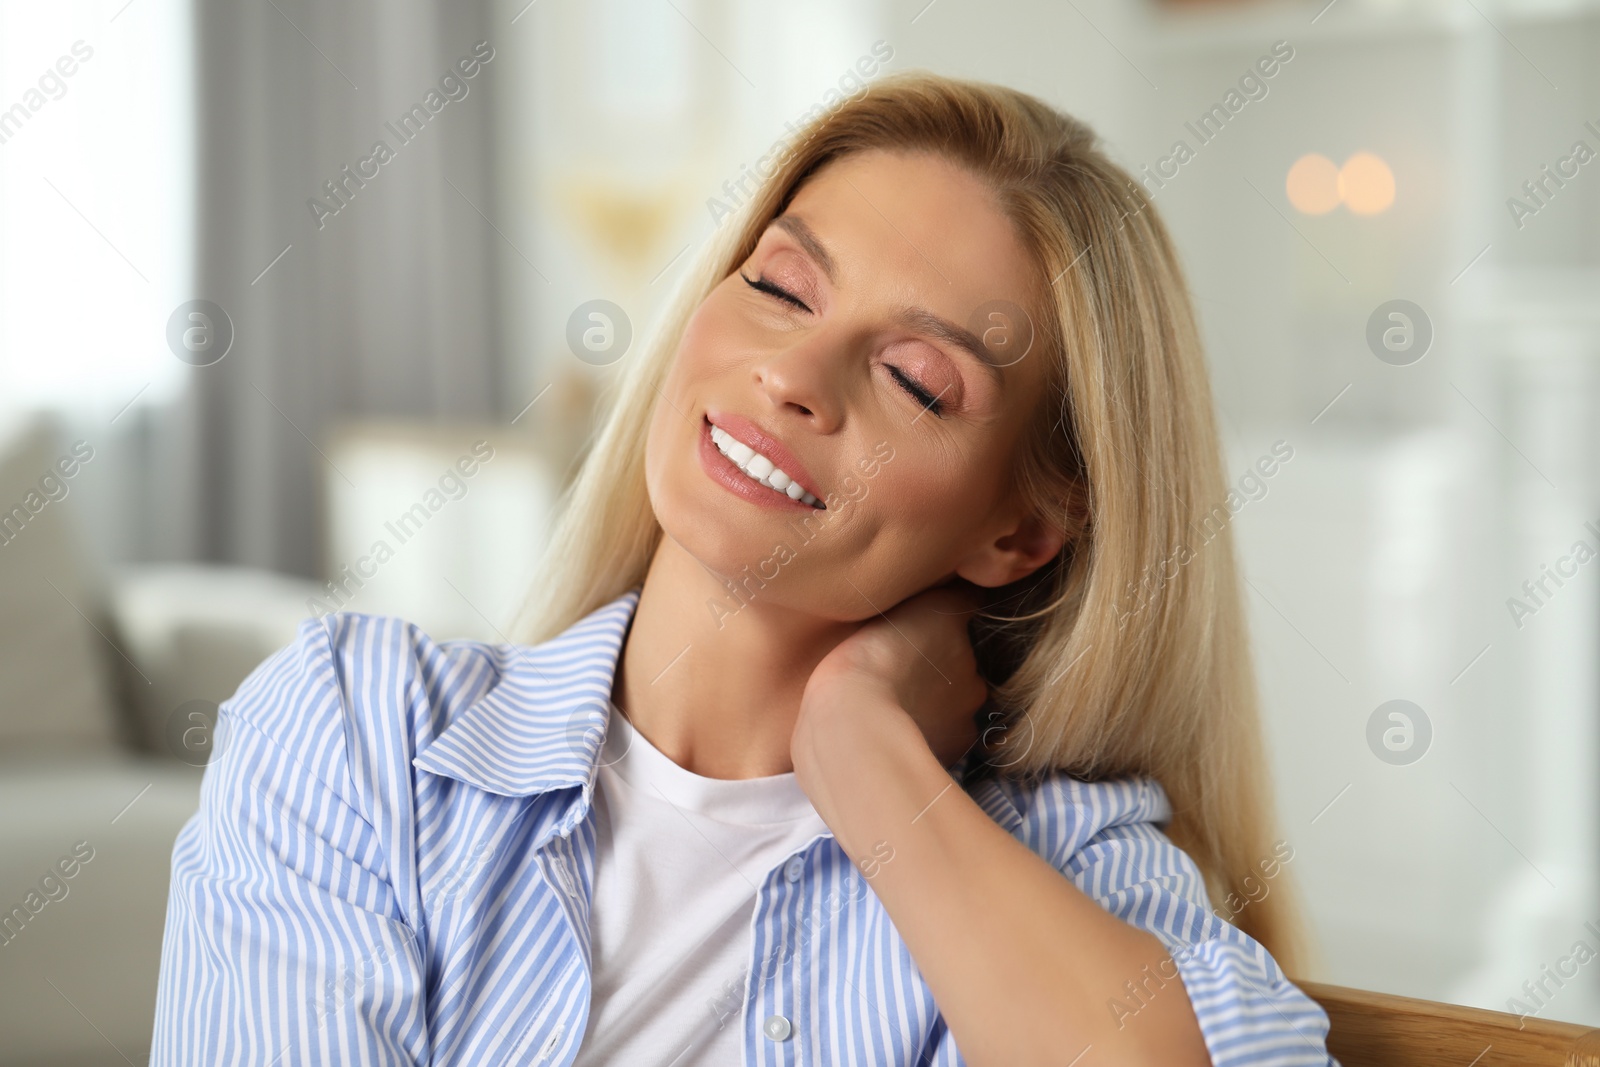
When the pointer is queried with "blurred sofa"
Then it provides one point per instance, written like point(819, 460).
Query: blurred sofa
point(109, 682)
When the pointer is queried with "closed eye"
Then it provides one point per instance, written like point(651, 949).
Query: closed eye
point(919, 394)
point(915, 391)
point(764, 286)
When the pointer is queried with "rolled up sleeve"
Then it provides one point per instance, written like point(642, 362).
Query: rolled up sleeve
point(283, 941)
point(1250, 1014)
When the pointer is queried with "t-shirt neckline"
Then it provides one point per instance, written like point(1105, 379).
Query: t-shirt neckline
point(627, 755)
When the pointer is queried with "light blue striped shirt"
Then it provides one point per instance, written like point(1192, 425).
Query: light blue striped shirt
point(393, 863)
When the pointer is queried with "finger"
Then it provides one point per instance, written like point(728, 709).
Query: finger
point(958, 596)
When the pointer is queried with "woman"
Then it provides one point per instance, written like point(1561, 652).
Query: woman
point(942, 371)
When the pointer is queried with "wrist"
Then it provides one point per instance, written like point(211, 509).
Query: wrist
point(835, 712)
point(849, 735)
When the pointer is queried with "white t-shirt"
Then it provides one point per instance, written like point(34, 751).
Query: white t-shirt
point(678, 862)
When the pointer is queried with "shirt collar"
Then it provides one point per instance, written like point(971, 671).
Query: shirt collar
point(541, 725)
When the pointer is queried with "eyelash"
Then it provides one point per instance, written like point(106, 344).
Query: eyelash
point(764, 286)
point(917, 393)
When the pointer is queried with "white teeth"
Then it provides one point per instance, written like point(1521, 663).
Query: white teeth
point(759, 467)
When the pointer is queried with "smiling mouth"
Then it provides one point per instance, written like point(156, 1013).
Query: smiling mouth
point(760, 469)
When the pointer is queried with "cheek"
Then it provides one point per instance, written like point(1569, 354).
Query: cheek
point(924, 498)
point(658, 445)
point(689, 365)
point(909, 529)
point(714, 339)
point(942, 494)
point(670, 457)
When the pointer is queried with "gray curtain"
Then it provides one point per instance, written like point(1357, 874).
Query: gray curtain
point(385, 307)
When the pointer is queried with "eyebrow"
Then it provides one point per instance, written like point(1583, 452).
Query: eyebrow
point(915, 318)
point(924, 321)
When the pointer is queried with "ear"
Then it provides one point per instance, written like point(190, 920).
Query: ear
point(1031, 544)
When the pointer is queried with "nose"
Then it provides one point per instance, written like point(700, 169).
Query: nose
point(806, 378)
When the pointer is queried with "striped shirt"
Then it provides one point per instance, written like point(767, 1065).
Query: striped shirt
point(393, 863)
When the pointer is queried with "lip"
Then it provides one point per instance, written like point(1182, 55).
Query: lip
point(725, 471)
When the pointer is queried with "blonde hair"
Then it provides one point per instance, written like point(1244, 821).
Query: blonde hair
point(1128, 653)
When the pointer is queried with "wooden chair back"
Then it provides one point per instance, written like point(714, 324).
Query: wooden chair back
point(1382, 1030)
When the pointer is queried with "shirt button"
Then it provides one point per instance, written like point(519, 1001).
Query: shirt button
point(794, 868)
point(776, 1027)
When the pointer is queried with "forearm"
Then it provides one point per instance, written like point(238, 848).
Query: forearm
point(1021, 963)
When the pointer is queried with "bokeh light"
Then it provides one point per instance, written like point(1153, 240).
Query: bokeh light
point(1313, 184)
point(1366, 184)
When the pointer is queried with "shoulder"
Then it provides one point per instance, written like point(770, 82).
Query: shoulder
point(1108, 836)
point(1058, 814)
point(355, 693)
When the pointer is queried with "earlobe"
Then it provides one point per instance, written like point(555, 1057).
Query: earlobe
point(1015, 555)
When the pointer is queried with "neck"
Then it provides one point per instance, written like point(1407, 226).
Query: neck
point(717, 689)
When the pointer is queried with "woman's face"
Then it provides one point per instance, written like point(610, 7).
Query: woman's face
point(873, 348)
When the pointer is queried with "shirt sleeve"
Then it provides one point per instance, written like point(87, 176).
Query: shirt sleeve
point(283, 941)
point(1250, 1014)
point(1107, 838)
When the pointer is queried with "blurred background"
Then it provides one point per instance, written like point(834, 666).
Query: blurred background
point(242, 349)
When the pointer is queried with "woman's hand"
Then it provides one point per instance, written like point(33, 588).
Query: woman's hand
point(917, 657)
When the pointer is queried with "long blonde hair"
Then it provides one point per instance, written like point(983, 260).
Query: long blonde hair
point(1128, 653)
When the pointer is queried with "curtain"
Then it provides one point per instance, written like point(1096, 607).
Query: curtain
point(345, 229)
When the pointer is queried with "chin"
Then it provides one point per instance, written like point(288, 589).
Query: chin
point(714, 532)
